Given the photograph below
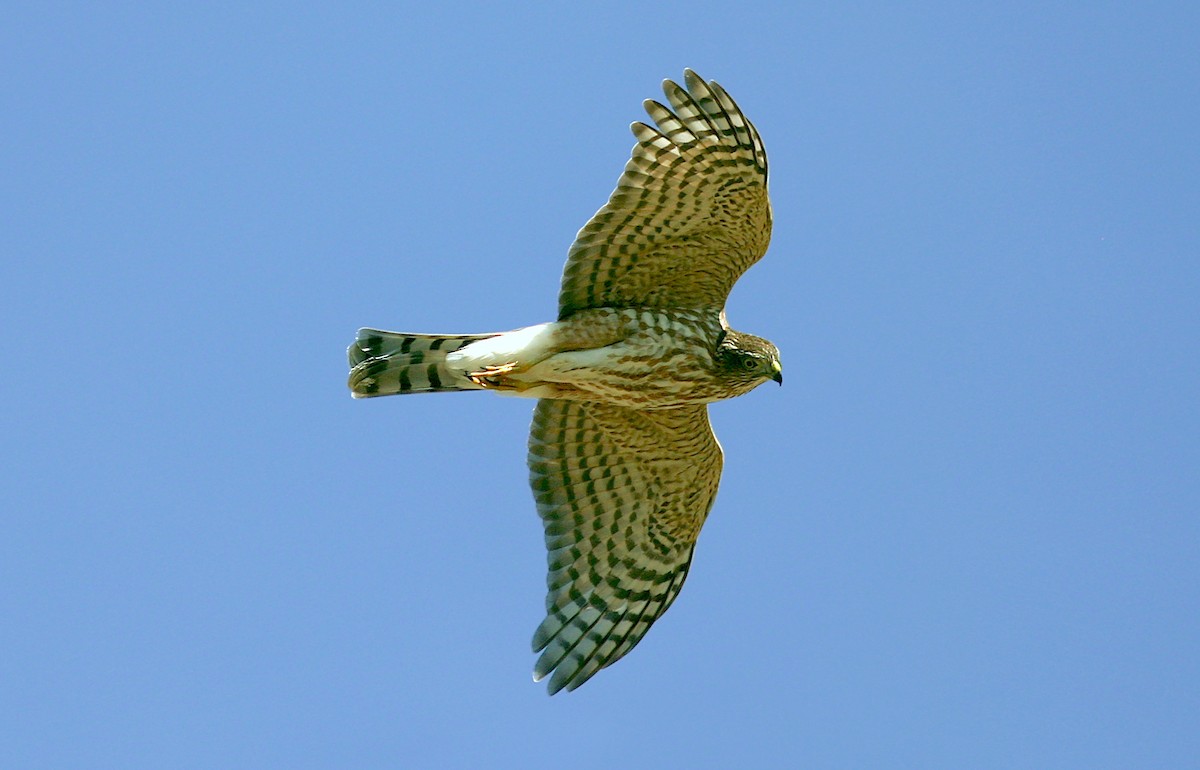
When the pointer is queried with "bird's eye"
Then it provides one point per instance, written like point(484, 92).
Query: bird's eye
point(749, 363)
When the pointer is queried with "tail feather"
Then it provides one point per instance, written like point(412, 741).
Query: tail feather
point(385, 363)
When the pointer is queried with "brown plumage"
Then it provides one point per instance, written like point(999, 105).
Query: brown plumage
point(623, 463)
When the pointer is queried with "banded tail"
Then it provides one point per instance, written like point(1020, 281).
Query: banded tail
point(386, 363)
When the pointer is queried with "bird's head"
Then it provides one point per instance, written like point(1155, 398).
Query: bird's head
point(746, 361)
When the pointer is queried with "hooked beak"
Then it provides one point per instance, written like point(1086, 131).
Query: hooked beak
point(777, 368)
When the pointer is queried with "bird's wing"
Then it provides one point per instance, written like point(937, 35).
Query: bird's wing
point(689, 215)
point(622, 494)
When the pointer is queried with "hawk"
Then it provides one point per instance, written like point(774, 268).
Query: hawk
point(623, 463)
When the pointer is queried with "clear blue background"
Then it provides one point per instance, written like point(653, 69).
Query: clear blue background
point(963, 535)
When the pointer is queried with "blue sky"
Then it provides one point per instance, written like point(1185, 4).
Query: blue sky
point(964, 534)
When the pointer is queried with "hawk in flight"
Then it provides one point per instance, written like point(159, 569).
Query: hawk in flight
point(622, 460)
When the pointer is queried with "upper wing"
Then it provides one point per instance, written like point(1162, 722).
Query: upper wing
point(622, 494)
point(689, 215)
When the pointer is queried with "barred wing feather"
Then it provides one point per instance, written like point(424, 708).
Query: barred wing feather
point(622, 494)
point(690, 213)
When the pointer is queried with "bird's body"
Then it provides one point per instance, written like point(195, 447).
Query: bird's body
point(641, 359)
point(623, 463)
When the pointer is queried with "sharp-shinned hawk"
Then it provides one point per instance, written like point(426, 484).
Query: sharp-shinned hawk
point(623, 463)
